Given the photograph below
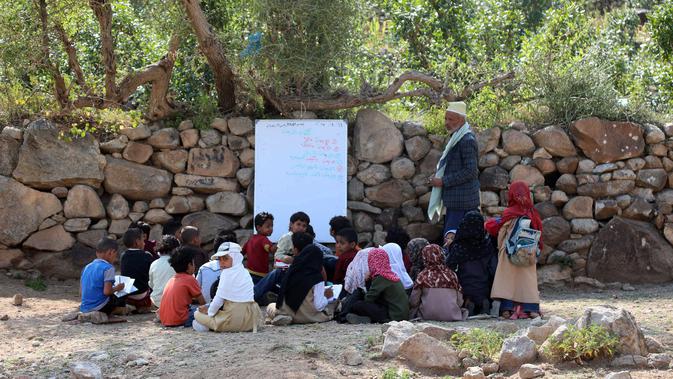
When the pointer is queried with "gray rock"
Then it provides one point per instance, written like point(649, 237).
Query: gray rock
point(516, 351)
point(167, 138)
point(529, 371)
point(417, 147)
point(245, 176)
point(240, 126)
point(77, 224)
point(402, 168)
point(619, 322)
point(91, 238)
point(584, 226)
point(137, 133)
point(217, 161)
point(488, 160)
point(660, 361)
point(655, 179)
point(85, 370)
point(494, 179)
point(206, 184)
point(12, 132)
point(424, 351)
point(390, 194)
point(118, 207)
point(374, 175)
point(135, 181)
point(363, 222)
point(174, 161)
point(635, 361)
point(360, 206)
point(515, 142)
point(618, 375)
point(375, 138)
point(209, 224)
point(157, 216)
point(395, 335)
point(555, 140)
point(555, 230)
point(52, 239)
point(411, 129)
point(9, 154)
point(356, 190)
point(227, 203)
point(209, 138)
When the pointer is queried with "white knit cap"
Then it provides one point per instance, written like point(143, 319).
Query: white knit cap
point(457, 107)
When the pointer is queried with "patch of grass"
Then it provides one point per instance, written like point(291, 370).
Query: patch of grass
point(584, 344)
point(38, 284)
point(395, 373)
point(374, 340)
point(311, 350)
point(483, 344)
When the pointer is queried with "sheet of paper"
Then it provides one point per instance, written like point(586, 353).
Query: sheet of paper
point(128, 285)
point(336, 289)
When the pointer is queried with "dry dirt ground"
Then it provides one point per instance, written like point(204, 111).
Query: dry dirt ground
point(35, 343)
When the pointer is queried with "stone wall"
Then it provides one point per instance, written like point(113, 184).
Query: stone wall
point(602, 188)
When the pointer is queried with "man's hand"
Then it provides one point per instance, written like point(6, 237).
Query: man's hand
point(435, 182)
point(329, 293)
point(203, 309)
point(118, 287)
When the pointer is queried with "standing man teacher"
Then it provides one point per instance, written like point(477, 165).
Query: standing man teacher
point(455, 184)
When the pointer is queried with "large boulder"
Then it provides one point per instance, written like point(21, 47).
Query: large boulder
point(216, 161)
point(174, 161)
point(515, 142)
point(390, 194)
point(47, 161)
point(135, 181)
point(618, 321)
point(488, 140)
point(209, 224)
point(632, 252)
point(417, 147)
point(654, 178)
point(423, 351)
point(606, 189)
point(206, 184)
point(10, 258)
point(118, 207)
point(228, 203)
point(22, 210)
point(167, 138)
point(516, 351)
point(608, 141)
point(555, 140)
point(579, 207)
point(555, 230)
point(137, 152)
point(528, 174)
point(397, 333)
point(52, 239)
point(9, 154)
point(83, 201)
point(494, 179)
point(374, 174)
point(375, 138)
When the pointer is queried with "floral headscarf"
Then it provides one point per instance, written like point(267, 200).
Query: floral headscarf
point(436, 274)
point(379, 265)
point(414, 247)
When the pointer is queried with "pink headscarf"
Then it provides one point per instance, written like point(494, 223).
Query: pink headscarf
point(379, 265)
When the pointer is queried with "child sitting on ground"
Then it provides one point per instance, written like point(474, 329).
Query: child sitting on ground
point(149, 245)
point(259, 247)
point(191, 240)
point(176, 304)
point(97, 283)
point(135, 263)
point(346, 241)
point(400, 237)
point(298, 223)
point(160, 270)
point(208, 275)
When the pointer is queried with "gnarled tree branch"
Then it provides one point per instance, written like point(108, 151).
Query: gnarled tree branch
point(73, 61)
point(102, 9)
point(60, 90)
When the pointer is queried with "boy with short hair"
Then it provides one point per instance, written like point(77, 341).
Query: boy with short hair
point(337, 223)
point(176, 304)
point(135, 263)
point(346, 242)
point(97, 281)
point(150, 245)
point(298, 223)
point(259, 247)
point(191, 240)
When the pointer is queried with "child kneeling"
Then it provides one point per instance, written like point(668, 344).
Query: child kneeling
point(176, 303)
point(97, 283)
point(233, 308)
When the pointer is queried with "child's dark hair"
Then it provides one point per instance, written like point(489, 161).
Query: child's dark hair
point(189, 234)
point(168, 244)
point(399, 236)
point(223, 237)
point(310, 231)
point(301, 240)
point(131, 236)
point(339, 222)
point(106, 244)
point(261, 218)
point(348, 234)
point(181, 259)
point(143, 226)
point(300, 216)
point(171, 227)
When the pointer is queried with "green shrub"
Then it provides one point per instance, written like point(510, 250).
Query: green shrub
point(584, 344)
point(38, 284)
point(394, 373)
point(482, 344)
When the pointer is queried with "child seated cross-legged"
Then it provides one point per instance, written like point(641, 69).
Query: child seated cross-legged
point(346, 241)
point(176, 304)
point(97, 284)
point(135, 263)
point(208, 274)
point(233, 308)
point(298, 223)
point(386, 299)
point(160, 270)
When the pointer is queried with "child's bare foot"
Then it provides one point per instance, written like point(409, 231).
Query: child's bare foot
point(534, 314)
point(506, 315)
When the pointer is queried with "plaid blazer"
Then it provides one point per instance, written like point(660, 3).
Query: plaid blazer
point(461, 175)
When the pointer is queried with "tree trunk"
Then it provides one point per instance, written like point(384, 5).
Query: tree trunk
point(60, 90)
point(73, 62)
point(102, 9)
point(212, 49)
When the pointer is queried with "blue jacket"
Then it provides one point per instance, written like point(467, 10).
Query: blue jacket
point(461, 175)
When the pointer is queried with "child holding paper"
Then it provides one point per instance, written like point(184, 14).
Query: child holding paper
point(176, 304)
point(97, 281)
point(135, 263)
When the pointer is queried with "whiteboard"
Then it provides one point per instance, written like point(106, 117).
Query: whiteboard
point(301, 165)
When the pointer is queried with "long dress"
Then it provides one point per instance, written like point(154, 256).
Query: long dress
point(515, 283)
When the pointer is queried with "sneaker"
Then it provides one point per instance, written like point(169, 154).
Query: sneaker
point(352, 318)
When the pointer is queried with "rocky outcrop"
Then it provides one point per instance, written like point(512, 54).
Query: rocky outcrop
point(375, 138)
point(619, 322)
point(608, 141)
point(135, 181)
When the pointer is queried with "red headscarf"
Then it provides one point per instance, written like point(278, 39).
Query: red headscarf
point(379, 265)
point(519, 204)
point(436, 274)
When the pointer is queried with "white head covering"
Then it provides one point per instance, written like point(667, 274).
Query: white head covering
point(235, 282)
point(357, 271)
point(397, 263)
point(457, 107)
point(225, 249)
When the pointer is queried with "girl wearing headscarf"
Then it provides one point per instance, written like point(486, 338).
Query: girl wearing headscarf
point(475, 259)
point(357, 271)
point(233, 309)
point(414, 247)
point(516, 286)
point(394, 252)
point(385, 299)
point(437, 293)
point(302, 293)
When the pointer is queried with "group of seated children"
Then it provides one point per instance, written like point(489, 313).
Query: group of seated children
point(295, 276)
